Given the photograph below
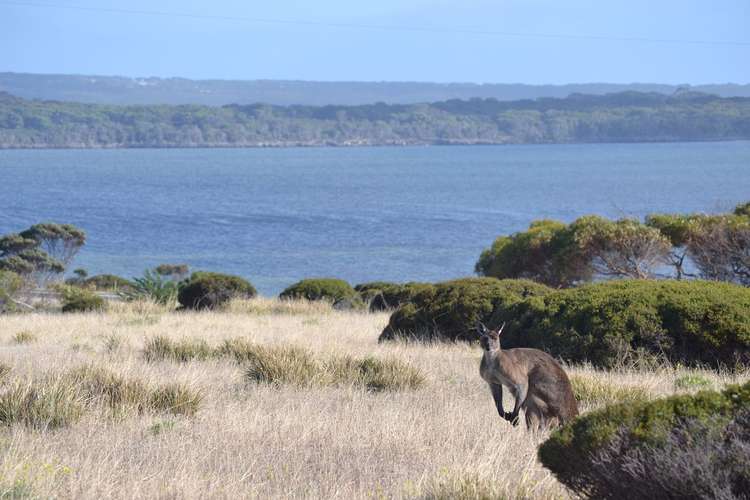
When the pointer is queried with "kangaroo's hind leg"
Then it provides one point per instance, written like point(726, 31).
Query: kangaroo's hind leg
point(534, 415)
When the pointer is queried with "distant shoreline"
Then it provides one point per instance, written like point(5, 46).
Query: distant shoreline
point(627, 117)
point(358, 146)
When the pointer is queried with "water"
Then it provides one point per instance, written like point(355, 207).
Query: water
point(279, 215)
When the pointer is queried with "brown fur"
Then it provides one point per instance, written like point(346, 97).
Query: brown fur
point(536, 380)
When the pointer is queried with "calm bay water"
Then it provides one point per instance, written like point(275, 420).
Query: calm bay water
point(400, 214)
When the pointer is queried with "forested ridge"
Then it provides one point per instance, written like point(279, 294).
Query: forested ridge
point(620, 117)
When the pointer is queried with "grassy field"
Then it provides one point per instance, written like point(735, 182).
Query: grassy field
point(227, 435)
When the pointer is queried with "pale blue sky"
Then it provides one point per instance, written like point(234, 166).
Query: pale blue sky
point(53, 40)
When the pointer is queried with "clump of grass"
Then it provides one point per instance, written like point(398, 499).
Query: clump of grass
point(266, 306)
point(692, 381)
point(161, 348)
point(44, 404)
point(161, 427)
point(280, 365)
point(101, 387)
point(373, 373)
point(5, 370)
point(20, 489)
point(24, 337)
point(460, 487)
point(113, 343)
point(594, 391)
point(178, 399)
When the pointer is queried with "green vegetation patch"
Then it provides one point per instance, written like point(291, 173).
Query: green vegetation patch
point(607, 324)
point(76, 299)
point(652, 449)
point(384, 296)
point(593, 391)
point(205, 290)
point(450, 310)
point(330, 289)
point(291, 365)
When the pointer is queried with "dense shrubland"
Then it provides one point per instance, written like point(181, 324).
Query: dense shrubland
point(204, 290)
point(687, 446)
point(330, 289)
point(623, 117)
point(607, 324)
point(714, 247)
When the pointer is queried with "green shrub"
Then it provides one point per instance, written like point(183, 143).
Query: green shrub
point(10, 285)
point(450, 310)
point(152, 286)
point(679, 447)
point(330, 289)
point(80, 300)
point(690, 322)
point(384, 296)
point(211, 290)
point(107, 283)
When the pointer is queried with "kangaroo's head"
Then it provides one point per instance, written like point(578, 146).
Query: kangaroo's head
point(489, 339)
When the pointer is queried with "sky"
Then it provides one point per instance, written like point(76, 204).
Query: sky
point(482, 41)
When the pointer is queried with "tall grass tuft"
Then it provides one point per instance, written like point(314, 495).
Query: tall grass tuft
point(594, 391)
point(178, 399)
point(45, 404)
point(99, 386)
point(24, 337)
point(293, 365)
point(160, 348)
point(373, 373)
point(5, 370)
point(281, 365)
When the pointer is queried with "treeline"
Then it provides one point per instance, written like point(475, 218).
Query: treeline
point(622, 117)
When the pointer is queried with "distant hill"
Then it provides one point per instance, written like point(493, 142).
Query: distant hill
point(620, 117)
point(121, 90)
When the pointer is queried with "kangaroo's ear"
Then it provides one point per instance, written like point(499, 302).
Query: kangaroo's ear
point(500, 330)
point(481, 329)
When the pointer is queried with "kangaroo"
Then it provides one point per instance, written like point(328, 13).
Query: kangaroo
point(538, 383)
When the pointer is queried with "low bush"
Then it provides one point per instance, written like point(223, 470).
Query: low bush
point(10, 285)
point(153, 287)
point(106, 283)
point(330, 289)
point(689, 322)
point(211, 290)
point(689, 446)
point(384, 296)
point(76, 299)
point(450, 310)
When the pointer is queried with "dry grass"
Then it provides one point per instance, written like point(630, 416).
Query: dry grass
point(260, 440)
